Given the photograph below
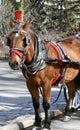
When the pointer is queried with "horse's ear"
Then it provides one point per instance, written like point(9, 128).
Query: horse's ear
point(12, 23)
point(27, 25)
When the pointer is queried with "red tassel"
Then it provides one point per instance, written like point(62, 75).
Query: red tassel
point(19, 15)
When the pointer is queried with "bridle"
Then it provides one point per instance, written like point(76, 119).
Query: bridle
point(19, 52)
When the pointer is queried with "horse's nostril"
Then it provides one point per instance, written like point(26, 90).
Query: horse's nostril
point(14, 65)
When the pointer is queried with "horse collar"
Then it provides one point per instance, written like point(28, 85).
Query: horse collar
point(38, 61)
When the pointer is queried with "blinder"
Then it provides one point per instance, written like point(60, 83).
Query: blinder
point(7, 41)
point(26, 40)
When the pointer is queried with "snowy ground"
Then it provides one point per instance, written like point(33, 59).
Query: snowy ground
point(15, 100)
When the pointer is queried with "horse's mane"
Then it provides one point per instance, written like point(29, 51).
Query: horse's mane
point(69, 39)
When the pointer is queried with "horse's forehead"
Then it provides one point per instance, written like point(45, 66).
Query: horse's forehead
point(15, 39)
point(16, 36)
point(13, 35)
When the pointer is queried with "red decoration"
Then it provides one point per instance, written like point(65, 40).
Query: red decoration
point(79, 28)
point(19, 15)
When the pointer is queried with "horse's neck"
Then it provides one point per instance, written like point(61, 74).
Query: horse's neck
point(30, 53)
point(76, 41)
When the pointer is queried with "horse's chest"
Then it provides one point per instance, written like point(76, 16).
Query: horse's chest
point(34, 79)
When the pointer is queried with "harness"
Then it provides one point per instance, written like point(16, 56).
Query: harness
point(40, 60)
point(60, 56)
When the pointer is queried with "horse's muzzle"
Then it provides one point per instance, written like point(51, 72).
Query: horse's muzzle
point(14, 65)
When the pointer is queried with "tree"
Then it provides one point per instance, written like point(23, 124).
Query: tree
point(62, 16)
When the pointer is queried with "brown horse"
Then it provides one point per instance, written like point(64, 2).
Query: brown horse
point(44, 63)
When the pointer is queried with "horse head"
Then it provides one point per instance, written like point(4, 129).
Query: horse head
point(18, 42)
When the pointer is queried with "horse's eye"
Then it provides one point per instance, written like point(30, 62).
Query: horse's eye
point(7, 41)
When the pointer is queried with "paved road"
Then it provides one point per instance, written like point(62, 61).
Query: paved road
point(16, 103)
